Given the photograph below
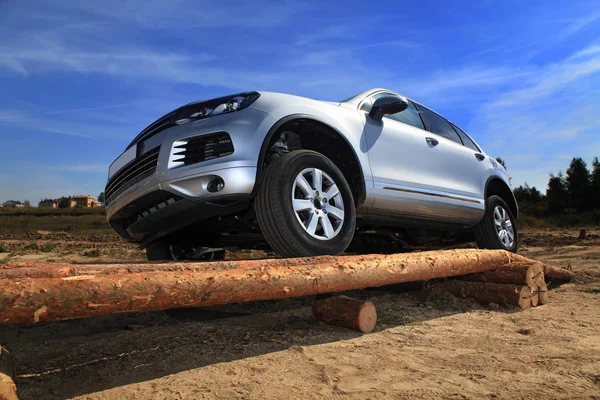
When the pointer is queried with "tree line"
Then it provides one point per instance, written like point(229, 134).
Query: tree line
point(575, 192)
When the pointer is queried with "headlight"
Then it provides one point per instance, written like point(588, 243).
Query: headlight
point(210, 108)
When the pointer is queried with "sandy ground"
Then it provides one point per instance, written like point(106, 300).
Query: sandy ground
point(430, 348)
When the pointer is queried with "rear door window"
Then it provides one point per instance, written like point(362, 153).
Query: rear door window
point(439, 125)
point(465, 138)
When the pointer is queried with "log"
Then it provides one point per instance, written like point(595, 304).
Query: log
point(507, 295)
point(558, 274)
point(346, 312)
point(543, 293)
point(8, 389)
point(31, 300)
point(56, 270)
point(528, 274)
point(535, 295)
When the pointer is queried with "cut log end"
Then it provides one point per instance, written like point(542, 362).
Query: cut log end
point(534, 275)
point(346, 312)
point(543, 293)
point(526, 297)
point(367, 317)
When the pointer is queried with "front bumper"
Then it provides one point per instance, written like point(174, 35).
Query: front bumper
point(172, 198)
point(157, 210)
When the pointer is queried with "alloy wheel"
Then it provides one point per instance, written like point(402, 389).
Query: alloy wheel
point(318, 204)
point(504, 227)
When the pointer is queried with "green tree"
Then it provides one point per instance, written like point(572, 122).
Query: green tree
point(65, 202)
point(526, 194)
point(27, 203)
point(531, 201)
point(501, 162)
point(596, 183)
point(579, 185)
point(557, 194)
point(101, 197)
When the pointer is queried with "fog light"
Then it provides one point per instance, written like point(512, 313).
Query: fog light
point(216, 185)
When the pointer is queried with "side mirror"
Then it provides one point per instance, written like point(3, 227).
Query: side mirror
point(387, 105)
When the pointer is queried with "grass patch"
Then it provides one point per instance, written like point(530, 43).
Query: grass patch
point(52, 212)
point(75, 224)
point(529, 221)
point(92, 253)
point(3, 248)
point(593, 290)
point(31, 246)
point(47, 248)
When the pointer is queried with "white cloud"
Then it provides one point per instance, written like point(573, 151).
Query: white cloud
point(577, 25)
point(554, 79)
point(534, 125)
point(43, 54)
point(329, 32)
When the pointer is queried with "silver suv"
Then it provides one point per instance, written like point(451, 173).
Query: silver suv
point(375, 171)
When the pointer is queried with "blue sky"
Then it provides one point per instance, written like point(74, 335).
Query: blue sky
point(79, 79)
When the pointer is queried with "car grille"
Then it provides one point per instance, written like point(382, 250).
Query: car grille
point(140, 169)
point(156, 127)
point(201, 148)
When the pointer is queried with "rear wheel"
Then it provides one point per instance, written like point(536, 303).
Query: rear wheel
point(305, 206)
point(498, 228)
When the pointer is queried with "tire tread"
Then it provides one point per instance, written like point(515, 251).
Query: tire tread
point(271, 219)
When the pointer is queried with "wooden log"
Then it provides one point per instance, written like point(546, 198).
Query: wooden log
point(535, 275)
point(527, 274)
point(507, 295)
point(543, 293)
point(57, 270)
point(8, 389)
point(30, 300)
point(346, 312)
point(558, 274)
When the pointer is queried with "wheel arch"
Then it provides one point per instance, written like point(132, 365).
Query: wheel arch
point(497, 186)
point(346, 160)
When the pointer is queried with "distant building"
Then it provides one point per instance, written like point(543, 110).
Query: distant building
point(85, 200)
point(13, 204)
point(48, 203)
point(70, 200)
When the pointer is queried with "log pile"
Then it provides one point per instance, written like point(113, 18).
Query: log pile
point(31, 293)
point(522, 286)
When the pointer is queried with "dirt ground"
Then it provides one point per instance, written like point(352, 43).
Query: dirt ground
point(437, 347)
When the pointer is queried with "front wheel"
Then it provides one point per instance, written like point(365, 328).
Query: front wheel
point(305, 206)
point(498, 228)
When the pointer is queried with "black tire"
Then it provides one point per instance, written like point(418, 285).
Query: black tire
point(486, 234)
point(277, 219)
point(164, 251)
point(158, 251)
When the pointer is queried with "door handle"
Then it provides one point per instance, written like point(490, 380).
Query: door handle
point(431, 141)
point(479, 156)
